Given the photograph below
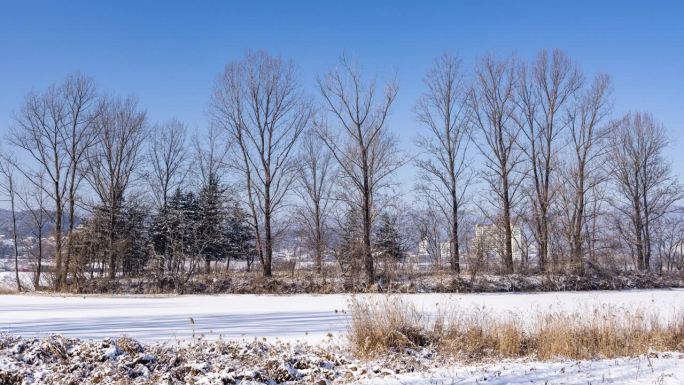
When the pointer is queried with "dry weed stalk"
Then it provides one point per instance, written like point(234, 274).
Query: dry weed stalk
point(389, 323)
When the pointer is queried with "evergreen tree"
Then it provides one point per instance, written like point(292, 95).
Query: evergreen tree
point(349, 250)
point(93, 246)
point(134, 239)
point(240, 238)
point(159, 237)
point(175, 234)
point(212, 221)
point(388, 240)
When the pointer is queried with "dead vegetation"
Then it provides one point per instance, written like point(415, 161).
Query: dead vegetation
point(59, 360)
point(390, 324)
point(303, 281)
point(6, 290)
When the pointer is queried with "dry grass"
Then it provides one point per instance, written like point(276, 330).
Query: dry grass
point(389, 324)
point(6, 290)
point(379, 325)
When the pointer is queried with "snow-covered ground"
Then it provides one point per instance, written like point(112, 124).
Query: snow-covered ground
point(314, 318)
point(308, 318)
point(663, 370)
point(8, 281)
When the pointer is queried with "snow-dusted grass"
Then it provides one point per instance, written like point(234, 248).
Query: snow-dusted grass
point(383, 325)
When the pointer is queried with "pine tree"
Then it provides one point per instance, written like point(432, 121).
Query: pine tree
point(388, 240)
point(212, 218)
point(133, 237)
point(159, 238)
point(240, 237)
point(349, 251)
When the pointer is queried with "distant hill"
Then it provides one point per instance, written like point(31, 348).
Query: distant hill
point(25, 223)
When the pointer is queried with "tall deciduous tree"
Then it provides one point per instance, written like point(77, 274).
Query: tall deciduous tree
point(443, 112)
point(8, 184)
point(493, 108)
point(167, 156)
point(79, 133)
point(259, 102)
point(56, 129)
point(37, 130)
point(34, 201)
point(646, 189)
point(315, 188)
point(113, 161)
point(365, 150)
point(588, 133)
point(543, 93)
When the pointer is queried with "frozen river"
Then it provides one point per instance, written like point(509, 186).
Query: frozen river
point(294, 317)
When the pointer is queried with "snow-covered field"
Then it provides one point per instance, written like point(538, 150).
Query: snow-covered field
point(627, 371)
point(315, 318)
point(295, 317)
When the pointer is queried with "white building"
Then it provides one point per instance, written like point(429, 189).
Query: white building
point(492, 240)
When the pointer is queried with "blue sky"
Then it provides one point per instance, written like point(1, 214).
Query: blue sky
point(168, 53)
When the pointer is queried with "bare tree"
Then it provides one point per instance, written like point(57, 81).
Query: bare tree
point(34, 203)
point(56, 129)
point(366, 150)
point(211, 155)
point(646, 190)
point(83, 106)
point(8, 184)
point(542, 94)
point(492, 103)
point(315, 187)
point(669, 238)
point(258, 101)
point(588, 133)
point(112, 162)
point(429, 225)
point(443, 111)
point(37, 130)
point(167, 157)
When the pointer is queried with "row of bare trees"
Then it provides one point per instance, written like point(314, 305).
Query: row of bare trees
point(68, 134)
point(531, 148)
point(555, 163)
point(260, 104)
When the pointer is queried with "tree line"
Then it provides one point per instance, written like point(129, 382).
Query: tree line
point(532, 151)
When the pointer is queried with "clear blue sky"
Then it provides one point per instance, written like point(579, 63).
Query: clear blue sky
point(168, 53)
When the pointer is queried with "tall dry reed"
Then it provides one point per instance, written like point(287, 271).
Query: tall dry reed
point(389, 323)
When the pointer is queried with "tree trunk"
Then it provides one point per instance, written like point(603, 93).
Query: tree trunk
point(578, 223)
point(268, 255)
point(455, 252)
point(14, 234)
point(110, 251)
point(508, 255)
point(319, 241)
point(72, 204)
point(543, 241)
point(638, 228)
point(36, 282)
point(58, 240)
point(367, 223)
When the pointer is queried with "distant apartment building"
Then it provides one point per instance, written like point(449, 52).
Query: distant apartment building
point(429, 256)
point(492, 241)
